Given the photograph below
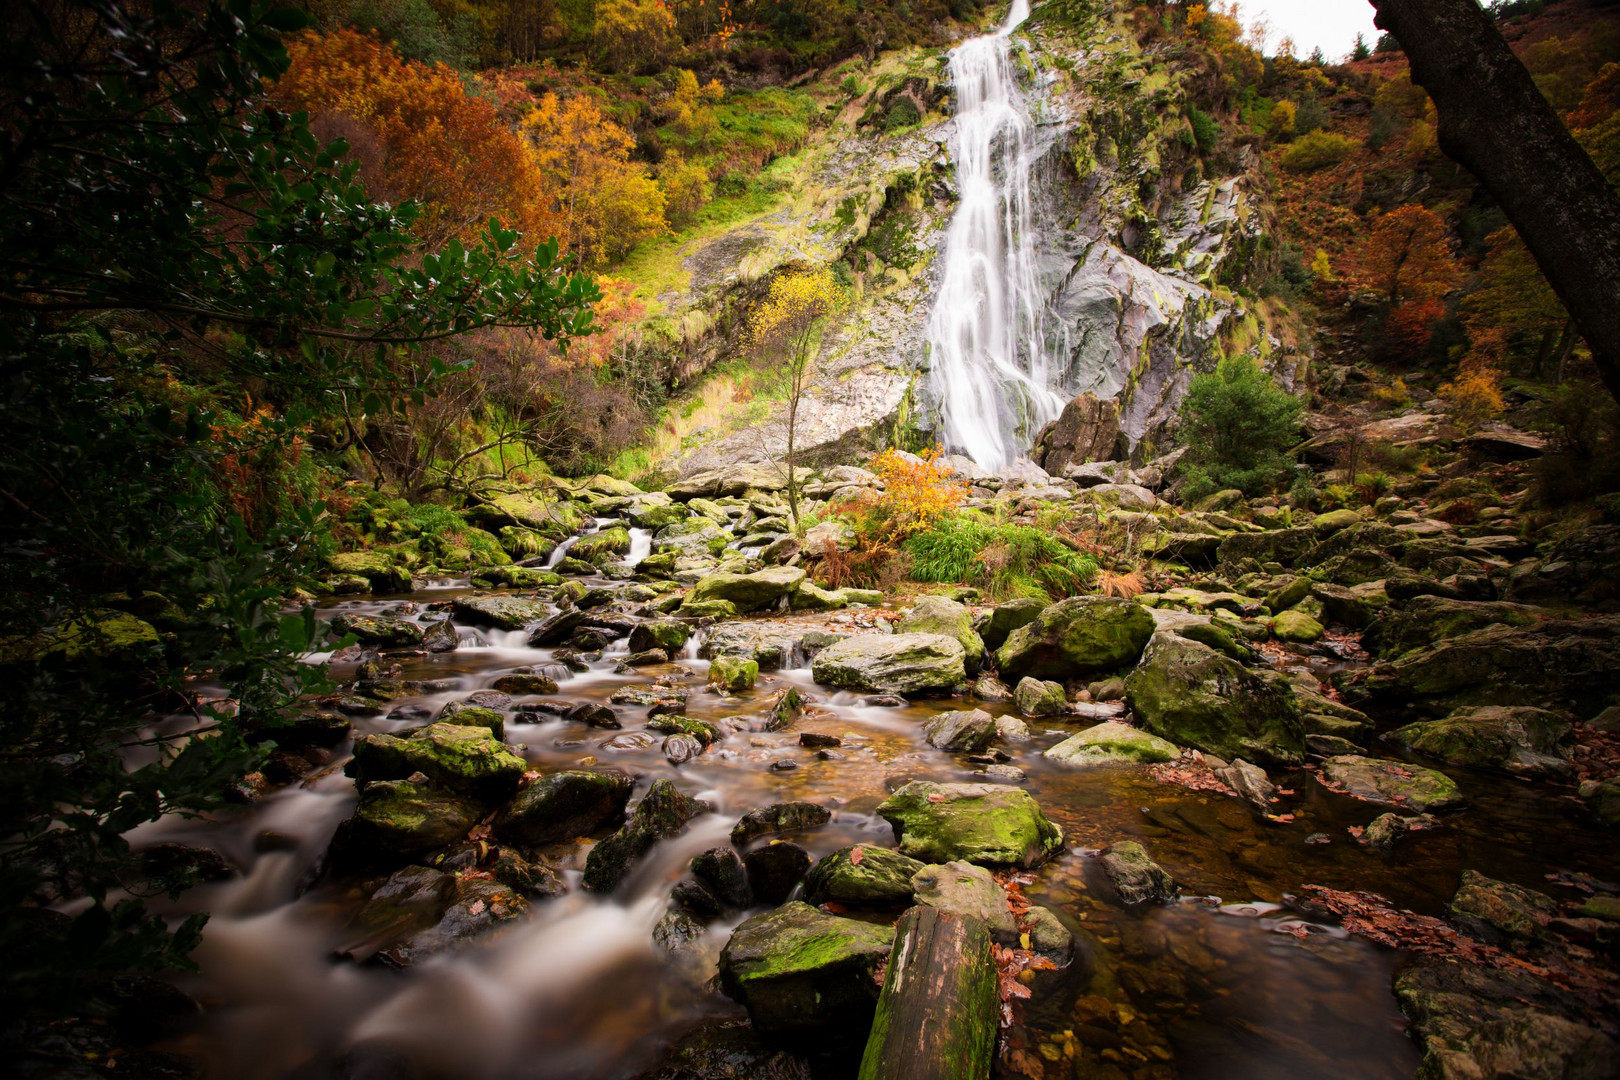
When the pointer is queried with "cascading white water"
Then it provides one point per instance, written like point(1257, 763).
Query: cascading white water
point(990, 373)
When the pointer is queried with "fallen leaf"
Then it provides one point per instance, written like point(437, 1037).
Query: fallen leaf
point(855, 856)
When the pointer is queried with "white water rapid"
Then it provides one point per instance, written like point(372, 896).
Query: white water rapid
point(990, 372)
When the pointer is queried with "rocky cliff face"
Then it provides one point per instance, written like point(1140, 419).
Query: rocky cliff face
point(1139, 237)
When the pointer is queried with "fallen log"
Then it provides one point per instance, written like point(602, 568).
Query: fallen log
point(937, 1016)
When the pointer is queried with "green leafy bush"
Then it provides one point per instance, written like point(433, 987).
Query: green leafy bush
point(999, 558)
point(1238, 424)
point(1318, 150)
point(902, 114)
point(1205, 130)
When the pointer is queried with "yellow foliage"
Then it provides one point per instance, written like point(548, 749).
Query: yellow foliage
point(691, 108)
point(1322, 266)
point(1280, 124)
point(918, 492)
point(686, 189)
point(785, 320)
point(1476, 395)
point(607, 202)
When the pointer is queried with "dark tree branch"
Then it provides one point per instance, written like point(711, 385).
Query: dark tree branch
point(1496, 123)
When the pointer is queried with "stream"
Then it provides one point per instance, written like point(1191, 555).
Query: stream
point(1223, 983)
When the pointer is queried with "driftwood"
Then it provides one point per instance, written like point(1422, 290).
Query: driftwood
point(937, 1016)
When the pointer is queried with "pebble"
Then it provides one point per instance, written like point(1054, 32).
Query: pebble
point(784, 765)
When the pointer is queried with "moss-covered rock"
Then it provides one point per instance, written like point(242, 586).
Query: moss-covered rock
point(552, 519)
point(654, 516)
point(1426, 620)
point(525, 683)
point(1218, 638)
point(1079, 636)
point(501, 612)
point(383, 631)
point(1006, 618)
point(673, 723)
point(1289, 594)
point(801, 973)
point(602, 545)
point(694, 536)
point(667, 634)
point(1501, 913)
point(708, 609)
point(1521, 739)
point(1391, 783)
point(1296, 626)
point(662, 813)
point(379, 567)
point(979, 823)
point(1602, 798)
point(1035, 697)
point(733, 674)
point(1193, 696)
point(1112, 743)
point(862, 876)
point(941, 615)
point(396, 819)
point(749, 592)
point(1284, 546)
point(563, 805)
point(809, 596)
point(962, 732)
point(1355, 606)
point(892, 663)
point(473, 716)
point(778, 818)
point(969, 891)
point(466, 759)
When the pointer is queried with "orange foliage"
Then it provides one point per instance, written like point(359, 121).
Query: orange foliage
point(418, 135)
point(1411, 324)
point(918, 492)
point(1407, 258)
point(1476, 394)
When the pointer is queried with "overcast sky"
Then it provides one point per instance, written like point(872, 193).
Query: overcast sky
point(1331, 24)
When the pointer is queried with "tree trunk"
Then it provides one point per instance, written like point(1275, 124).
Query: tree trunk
point(937, 1016)
point(1495, 122)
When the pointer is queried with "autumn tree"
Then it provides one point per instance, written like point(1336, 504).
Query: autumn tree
point(606, 202)
point(1515, 302)
point(1407, 258)
point(785, 328)
point(418, 135)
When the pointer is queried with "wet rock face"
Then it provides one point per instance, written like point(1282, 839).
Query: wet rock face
point(661, 814)
point(398, 819)
point(862, 876)
point(980, 823)
point(1137, 877)
point(749, 592)
point(1080, 636)
point(791, 817)
point(961, 732)
point(802, 973)
point(501, 612)
point(384, 631)
point(892, 663)
point(1193, 696)
point(564, 805)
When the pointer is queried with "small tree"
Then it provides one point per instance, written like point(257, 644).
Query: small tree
point(784, 328)
point(1407, 258)
point(1238, 425)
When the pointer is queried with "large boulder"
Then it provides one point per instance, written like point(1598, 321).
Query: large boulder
point(563, 805)
point(942, 615)
point(377, 567)
point(691, 537)
point(1284, 546)
point(804, 974)
point(1086, 430)
point(980, 823)
point(1390, 783)
point(525, 510)
point(862, 876)
point(1519, 739)
point(892, 663)
point(662, 813)
point(749, 592)
point(1501, 913)
point(1079, 636)
point(467, 759)
point(1193, 696)
point(1112, 743)
point(602, 545)
point(667, 634)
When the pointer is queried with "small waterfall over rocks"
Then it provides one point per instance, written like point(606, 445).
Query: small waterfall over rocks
point(990, 370)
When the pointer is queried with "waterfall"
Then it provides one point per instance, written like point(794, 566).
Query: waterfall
point(990, 373)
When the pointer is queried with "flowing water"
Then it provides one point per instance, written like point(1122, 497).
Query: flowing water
point(991, 375)
point(1221, 985)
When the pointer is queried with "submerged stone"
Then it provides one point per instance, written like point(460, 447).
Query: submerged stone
point(1135, 874)
point(788, 817)
point(1393, 783)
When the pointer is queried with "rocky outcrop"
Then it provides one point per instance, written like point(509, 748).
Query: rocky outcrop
point(1087, 430)
point(1194, 696)
point(1522, 740)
